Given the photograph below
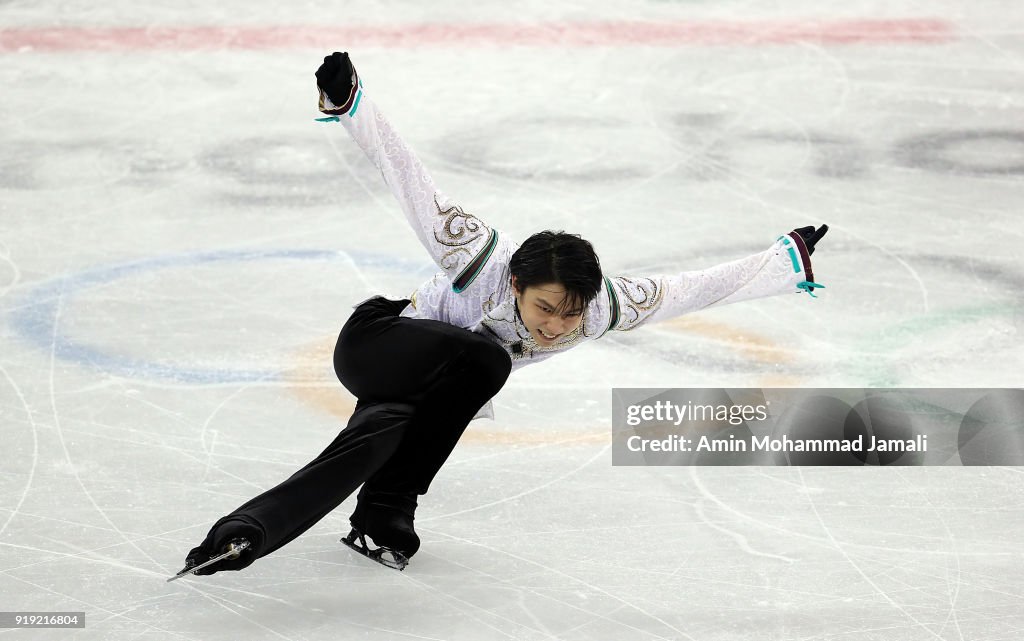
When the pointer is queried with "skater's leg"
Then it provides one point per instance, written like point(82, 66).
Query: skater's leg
point(280, 514)
point(447, 371)
point(387, 502)
point(439, 424)
point(380, 358)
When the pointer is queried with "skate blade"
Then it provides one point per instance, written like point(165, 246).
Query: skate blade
point(233, 552)
point(385, 556)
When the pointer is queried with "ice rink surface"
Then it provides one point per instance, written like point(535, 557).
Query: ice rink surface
point(181, 242)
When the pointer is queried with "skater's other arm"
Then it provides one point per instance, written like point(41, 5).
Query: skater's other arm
point(783, 268)
point(457, 241)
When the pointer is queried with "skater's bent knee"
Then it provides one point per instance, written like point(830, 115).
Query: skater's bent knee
point(380, 428)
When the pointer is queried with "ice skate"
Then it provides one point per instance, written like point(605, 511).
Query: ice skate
point(232, 551)
point(388, 528)
point(383, 555)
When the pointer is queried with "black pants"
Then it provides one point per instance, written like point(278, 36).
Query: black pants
point(418, 384)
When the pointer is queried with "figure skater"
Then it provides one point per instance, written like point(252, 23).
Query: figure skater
point(422, 368)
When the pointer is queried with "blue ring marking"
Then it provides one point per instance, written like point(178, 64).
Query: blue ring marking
point(35, 320)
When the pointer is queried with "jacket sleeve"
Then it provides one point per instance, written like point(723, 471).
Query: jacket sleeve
point(458, 242)
point(783, 268)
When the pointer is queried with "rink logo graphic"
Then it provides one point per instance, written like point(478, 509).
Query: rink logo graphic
point(849, 427)
point(40, 318)
point(285, 171)
point(721, 152)
point(663, 411)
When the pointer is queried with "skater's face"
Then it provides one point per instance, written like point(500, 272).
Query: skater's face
point(546, 312)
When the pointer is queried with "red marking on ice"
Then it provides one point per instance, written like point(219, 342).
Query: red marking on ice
point(573, 34)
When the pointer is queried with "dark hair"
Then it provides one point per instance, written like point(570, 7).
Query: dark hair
point(558, 257)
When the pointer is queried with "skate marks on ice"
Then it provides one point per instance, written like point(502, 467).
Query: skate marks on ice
point(579, 609)
point(121, 562)
point(908, 556)
point(28, 418)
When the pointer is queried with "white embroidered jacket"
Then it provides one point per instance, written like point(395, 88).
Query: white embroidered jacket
point(473, 289)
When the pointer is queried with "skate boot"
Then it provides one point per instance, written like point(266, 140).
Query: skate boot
point(202, 562)
point(389, 528)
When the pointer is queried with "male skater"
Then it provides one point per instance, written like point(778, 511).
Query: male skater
point(422, 368)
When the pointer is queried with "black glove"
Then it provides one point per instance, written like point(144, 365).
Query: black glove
point(811, 236)
point(337, 78)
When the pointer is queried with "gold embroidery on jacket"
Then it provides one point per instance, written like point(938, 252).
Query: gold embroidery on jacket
point(644, 303)
point(458, 230)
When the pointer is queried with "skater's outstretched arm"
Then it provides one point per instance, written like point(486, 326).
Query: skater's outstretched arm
point(457, 241)
point(783, 268)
